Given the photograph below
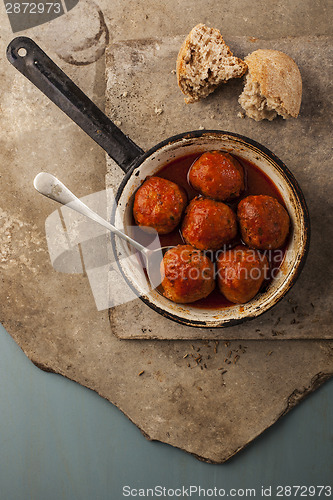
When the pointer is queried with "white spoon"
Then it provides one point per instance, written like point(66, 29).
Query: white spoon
point(50, 186)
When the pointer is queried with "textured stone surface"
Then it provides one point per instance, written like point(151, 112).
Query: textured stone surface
point(52, 315)
point(140, 79)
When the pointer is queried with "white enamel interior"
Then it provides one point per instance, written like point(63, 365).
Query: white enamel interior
point(185, 312)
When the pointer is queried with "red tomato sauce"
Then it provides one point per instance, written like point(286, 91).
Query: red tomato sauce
point(256, 182)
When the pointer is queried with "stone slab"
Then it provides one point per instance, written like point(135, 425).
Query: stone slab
point(53, 317)
point(140, 79)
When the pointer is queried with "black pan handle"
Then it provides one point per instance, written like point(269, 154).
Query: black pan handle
point(28, 58)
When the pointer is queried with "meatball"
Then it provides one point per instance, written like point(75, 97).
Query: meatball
point(240, 273)
point(264, 223)
point(217, 175)
point(187, 274)
point(159, 204)
point(208, 224)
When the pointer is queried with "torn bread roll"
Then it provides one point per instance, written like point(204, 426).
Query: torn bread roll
point(204, 62)
point(273, 86)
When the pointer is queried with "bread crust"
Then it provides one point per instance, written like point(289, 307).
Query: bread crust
point(278, 76)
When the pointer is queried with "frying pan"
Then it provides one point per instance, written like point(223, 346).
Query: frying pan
point(32, 62)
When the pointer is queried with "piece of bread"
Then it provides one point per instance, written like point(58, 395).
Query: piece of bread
point(273, 86)
point(204, 62)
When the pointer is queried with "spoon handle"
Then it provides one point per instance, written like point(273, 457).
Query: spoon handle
point(50, 186)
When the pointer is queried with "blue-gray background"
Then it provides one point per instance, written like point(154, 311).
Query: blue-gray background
point(59, 440)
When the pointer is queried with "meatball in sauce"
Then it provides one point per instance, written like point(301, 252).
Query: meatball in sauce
point(187, 274)
point(264, 223)
point(208, 224)
point(217, 175)
point(159, 204)
point(240, 273)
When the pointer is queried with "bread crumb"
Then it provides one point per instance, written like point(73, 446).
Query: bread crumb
point(201, 128)
point(173, 71)
point(158, 111)
point(240, 115)
point(117, 123)
point(124, 94)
